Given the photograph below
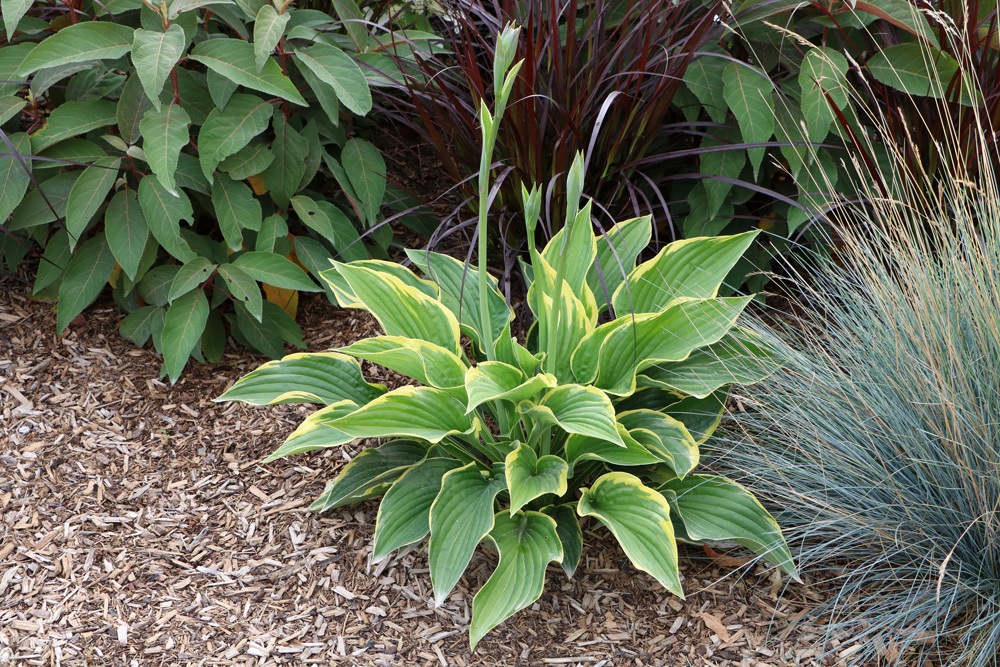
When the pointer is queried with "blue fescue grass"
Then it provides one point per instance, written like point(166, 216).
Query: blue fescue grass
point(878, 445)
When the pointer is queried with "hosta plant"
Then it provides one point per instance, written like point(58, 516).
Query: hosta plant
point(189, 153)
point(599, 412)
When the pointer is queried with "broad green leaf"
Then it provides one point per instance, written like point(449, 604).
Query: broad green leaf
point(704, 77)
point(715, 508)
point(402, 310)
point(190, 276)
point(404, 514)
point(225, 132)
point(269, 335)
point(267, 30)
point(272, 230)
point(155, 285)
point(701, 416)
point(459, 292)
point(366, 170)
point(741, 357)
point(409, 412)
point(587, 448)
point(11, 58)
point(127, 230)
point(154, 55)
point(220, 89)
point(132, 106)
point(267, 267)
point(35, 210)
point(164, 212)
point(527, 543)
point(72, 151)
point(89, 193)
point(822, 79)
point(345, 295)
point(234, 59)
point(497, 381)
point(243, 288)
point(177, 7)
point(251, 7)
point(370, 473)
point(617, 250)
point(610, 357)
point(13, 177)
point(164, 134)
point(71, 119)
point(747, 91)
point(81, 42)
point(461, 516)
point(13, 11)
point(693, 268)
point(213, 338)
point(249, 161)
point(54, 261)
point(183, 324)
point(283, 175)
point(335, 68)
point(722, 157)
point(332, 225)
point(353, 20)
point(10, 107)
point(917, 70)
point(570, 535)
point(320, 377)
point(316, 433)
point(663, 436)
point(425, 362)
point(138, 326)
point(87, 272)
point(324, 93)
point(639, 518)
point(530, 476)
point(582, 410)
point(236, 209)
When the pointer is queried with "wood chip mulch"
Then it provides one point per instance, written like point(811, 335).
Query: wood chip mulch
point(139, 527)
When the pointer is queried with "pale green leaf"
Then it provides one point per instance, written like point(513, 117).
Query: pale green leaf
point(366, 170)
point(335, 68)
point(243, 288)
point(249, 161)
point(14, 179)
point(10, 107)
point(639, 518)
point(747, 91)
point(127, 230)
point(80, 42)
point(177, 7)
point(154, 55)
point(283, 175)
point(164, 212)
point(582, 410)
point(235, 209)
point(190, 276)
point(320, 377)
point(530, 476)
point(273, 269)
point(667, 438)
point(183, 325)
point(13, 11)
point(425, 362)
point(617, 250)
point(332, 225)
point(235, 60)
point(85, 276)
point(225, 132)
point(164, 134)
point(139, 325)
point(267, 30)
point(497, 381)
point(88, 194)
point(71, 119)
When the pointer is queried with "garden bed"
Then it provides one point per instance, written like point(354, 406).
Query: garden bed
point(140, 528)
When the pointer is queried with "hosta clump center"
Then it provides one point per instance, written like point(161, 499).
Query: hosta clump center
point(586, 419)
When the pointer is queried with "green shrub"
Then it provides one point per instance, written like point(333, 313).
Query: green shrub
point(512, 440)
point(233, 117)
point(878, 439)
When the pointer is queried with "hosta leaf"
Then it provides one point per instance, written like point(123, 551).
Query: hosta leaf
point(13, 177)
point(154, 55)
point(404, 514)
point(495, 380)
point(617, 250)
point(322, 377)
point(235, 209)
point(639, 518)
point(527, 543)
point(164, 134)
point(85, 276)
point(409, 412)
point(331, 224)
point(425, 362)
point(283, 175)
point(316, 433)
point(581, 251)
point(235, 60)
point(747, 91)
point(402, 310)
point(183, 325)
point(530, 476)
point(13, 11)
point(570, 535)
point(663, 436)
point(370, 473)
point(715, 508)
point(225, 132)
point(88, 194)
point(348, 299)
point(582, 410)
point(693, 268)
point(366, 170)
point(822, 79)
point(461, 516)
point(164, 212)
point(459, 292)
point(610, 357)
point(267, 267)
point(335, 68)
point(243, 288)
point(87, 40)
point(127, 230)
point(585, 447)
point(566, 319)
point(741, 357)
point(701, 416)
point(71, 119)
point(267, 30)
point(191, 275)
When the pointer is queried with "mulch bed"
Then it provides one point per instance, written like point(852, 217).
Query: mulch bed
point(139, 527)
